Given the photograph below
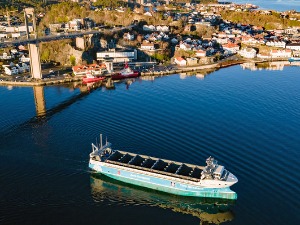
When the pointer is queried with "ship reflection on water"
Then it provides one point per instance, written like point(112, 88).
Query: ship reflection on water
point(209, 211)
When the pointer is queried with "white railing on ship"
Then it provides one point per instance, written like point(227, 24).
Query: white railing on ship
point(94, 148)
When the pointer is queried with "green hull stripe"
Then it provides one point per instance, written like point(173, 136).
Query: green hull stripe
point(228, 194)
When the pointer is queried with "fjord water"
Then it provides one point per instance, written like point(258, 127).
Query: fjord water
point(279, 5)
point(248, 120)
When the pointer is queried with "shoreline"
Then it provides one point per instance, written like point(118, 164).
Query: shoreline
point(199, 68)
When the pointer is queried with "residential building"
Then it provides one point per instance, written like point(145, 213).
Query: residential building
point(95, 69)
point(185, 46)
point(180, 61)
point(24, 59)
point(5, 56)
point(192, 61)
point(200, 53)
point(231, 48)
point(149, 28)
point(10, 70)
point(128, 36)
point(278, 44)
point(248, 53)
point(148, 46)
point(281, 53)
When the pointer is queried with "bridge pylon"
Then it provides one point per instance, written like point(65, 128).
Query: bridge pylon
point(34, 52)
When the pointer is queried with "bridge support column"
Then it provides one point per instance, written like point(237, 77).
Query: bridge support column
point(35, 62)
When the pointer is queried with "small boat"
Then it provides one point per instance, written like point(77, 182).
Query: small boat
point(210, 181)
point(294, 59)
point(91, 78)
point(127, 72)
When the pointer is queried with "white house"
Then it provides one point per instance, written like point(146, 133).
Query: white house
point(24, 59)
point(248, 53)
point(221, 40)
point(162, 28)
point(5, 56)
point(180, 61)
point(94, 69)
point(149, 28)
point(278, 44)
point(3, 35)
point(246, 39)
point(185, 46)
point(147, 14)
point(192, 61)
point(75, 24)
point(128, 36)
point(231, 48)
point(281, 53)
point(200, 53)
point(147, 46)
point(16, 35)
point(10, 70)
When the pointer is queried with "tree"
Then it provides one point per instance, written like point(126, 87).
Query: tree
point(73, 60)
point(107, 3)
point(45, 55)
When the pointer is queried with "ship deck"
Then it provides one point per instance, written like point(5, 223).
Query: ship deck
point(156, 165)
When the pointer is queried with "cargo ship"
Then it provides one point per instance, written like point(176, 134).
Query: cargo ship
point(210, 181)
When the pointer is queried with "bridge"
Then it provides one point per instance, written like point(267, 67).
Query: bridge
point(33, 42)
point(46, 38)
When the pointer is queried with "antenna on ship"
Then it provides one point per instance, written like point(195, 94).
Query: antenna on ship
point(100, 141)
point(106, 140)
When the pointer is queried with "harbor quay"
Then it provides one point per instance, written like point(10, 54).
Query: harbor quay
point(163, 70)
point(68, 79)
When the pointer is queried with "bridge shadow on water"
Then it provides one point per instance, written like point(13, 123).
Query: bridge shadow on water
point(42, 114)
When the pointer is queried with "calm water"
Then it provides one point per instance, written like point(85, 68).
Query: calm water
point(280, 5)
point(250, 121)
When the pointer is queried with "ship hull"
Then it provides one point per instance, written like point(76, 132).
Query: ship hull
point(161, 183)
point(119, 76)
point(89, 80)
point(294, 59)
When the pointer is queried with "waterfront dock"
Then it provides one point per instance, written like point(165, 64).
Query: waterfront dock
point(180, 70)
point(40, 82)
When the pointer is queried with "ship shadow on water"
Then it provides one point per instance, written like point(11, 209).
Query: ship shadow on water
point(208, 210)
